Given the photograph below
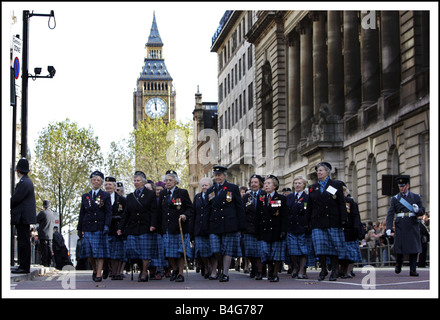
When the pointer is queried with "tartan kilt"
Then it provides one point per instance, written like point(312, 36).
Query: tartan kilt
point(273, 251)
point(142, 246)
point(158, 260)
point(202, 247)
point(352, 251)
point(329, 241)
point(173, 245)
point(297, 244)
point(117, 248)
point(95, 244)
point(252, 246)
point(227, 244)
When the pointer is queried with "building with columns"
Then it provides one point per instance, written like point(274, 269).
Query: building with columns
point(347, 87)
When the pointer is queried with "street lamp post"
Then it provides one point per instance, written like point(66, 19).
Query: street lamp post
point(25, 75)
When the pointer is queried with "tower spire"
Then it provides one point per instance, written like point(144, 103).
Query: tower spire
point(154, 38)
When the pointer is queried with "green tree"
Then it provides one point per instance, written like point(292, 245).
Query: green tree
point(119, 162)
point(160, 146)
point(64, 157)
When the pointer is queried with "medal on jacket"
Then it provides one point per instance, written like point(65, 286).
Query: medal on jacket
point(229, 196)
point(275, 203)
point(211, 196)
point(120, 208)
point(177, 202)
point(88, 199)
point(99, 202)
point(347, 205)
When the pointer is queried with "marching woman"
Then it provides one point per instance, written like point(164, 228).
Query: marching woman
point(116, 243)
point(252, 246)
point(226, 220)
point(139, 223)
point(94, 224)
point(199, 227)
point(272, 221)
point(175, 204)
point(299, 243)
point(325, 216)
point(352, 235)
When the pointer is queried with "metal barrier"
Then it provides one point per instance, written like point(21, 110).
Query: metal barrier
point(382, 255)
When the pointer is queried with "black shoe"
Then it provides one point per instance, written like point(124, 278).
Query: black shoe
point(294, 275)
point(398, 268)
point(275, 279)
point(258, 276)
point(105, 274)
point(213, 278)
point(322, 274)
point(174, 275)
point(303, 276)
point(413, 274)
point(333, 276)
point(97, 279)
point(180, 278)
point(224, 278)
point(93, 276)
point(19, 270)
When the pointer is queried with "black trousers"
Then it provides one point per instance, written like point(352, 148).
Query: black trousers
point(412, 260)
point(46, 252)
point(24, 246)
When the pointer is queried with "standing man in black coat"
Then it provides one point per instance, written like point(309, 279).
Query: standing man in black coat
point(405, 207)
point(45, 220)
point(326, 216)
point(175, 204)
point(226, 220)
point(23, 214)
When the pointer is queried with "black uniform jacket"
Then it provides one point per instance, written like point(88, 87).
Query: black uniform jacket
point(170, 211)
point(297, 211)
point(251, 212)
point(199, 219)
point(326, 210)
point(407, 229)
point(352, 230)
point(140, 213)
point(225, 209)
point(94, 214)
point(272, 217)
point(23, 208)
point(118, 209)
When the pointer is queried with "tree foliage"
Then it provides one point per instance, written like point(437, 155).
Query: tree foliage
point(64, 157)
point(160, 146)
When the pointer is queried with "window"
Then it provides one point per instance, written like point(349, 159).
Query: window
point(239, 69)
point(251, 93)
point(244, 64)
point(249, 57)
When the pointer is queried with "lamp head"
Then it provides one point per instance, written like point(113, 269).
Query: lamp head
point(51, 71)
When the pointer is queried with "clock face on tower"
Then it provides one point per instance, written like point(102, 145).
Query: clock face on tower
point(155, 108)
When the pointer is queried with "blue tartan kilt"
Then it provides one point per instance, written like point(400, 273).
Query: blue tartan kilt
point(329, 241)
point(173, 245)
point(252, 246)
point(95, 244)
point(158, 260)
point(273, 251)
point(352, 251)
point(202, 247)
point(297, 244)
point(142, 246)
point(227, 244)
point(117, 248)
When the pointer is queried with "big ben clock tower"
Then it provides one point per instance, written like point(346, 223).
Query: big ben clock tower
point(155, 96)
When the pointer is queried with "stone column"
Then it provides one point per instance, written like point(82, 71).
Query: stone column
point(294, 89)
point(370, 69)
point(335, 64)
point(390, 43)
point(320, 83)
point(306, 75)
point(352, 70)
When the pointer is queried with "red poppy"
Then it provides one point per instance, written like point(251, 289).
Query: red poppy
point(87, 197)
point(224, 188)
point(311, 189)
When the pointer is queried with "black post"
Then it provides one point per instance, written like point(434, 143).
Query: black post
point(24, 84)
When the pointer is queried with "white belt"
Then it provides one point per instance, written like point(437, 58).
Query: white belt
point(406, 214)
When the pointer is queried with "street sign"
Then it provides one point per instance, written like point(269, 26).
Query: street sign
point(16, 63)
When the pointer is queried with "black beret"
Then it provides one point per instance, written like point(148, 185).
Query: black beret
point(140, 173)
point(97, 173)
point(171, 172)
point(111, 179)
point(325, 164)
point(219, 169)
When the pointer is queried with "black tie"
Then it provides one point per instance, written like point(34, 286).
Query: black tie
point(94, 195)
point(297, 196)
point(169, 196)
point(403, 195)
point(254, 199)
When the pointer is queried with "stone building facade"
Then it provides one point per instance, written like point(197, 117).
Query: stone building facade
point(350, 88)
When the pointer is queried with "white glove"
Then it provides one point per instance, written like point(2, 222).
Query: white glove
point(416, 208)
point(388, 232)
